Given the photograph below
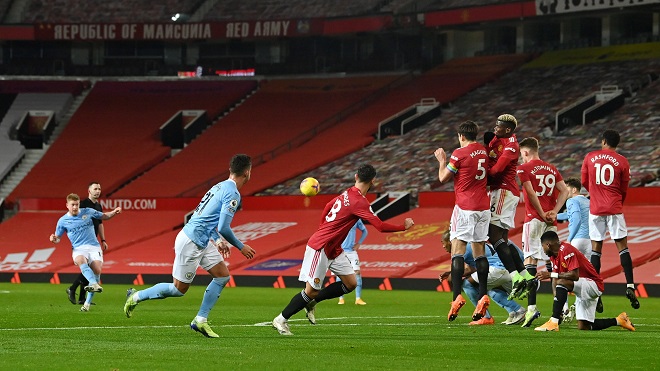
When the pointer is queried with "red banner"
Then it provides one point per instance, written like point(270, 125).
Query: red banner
point(178, 31)
point(481, 14)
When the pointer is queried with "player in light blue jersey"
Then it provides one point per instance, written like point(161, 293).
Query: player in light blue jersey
point(199, 244)
point(577, 214)
point(351, 248)
point(499, 283)
point(87, 254)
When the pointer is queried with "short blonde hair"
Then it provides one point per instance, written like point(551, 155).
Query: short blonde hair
point(510, 119)
point(72, 197)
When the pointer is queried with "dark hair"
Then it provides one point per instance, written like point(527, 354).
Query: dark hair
point(573, 182)
point(530, 143)
point(446, 235)
point(366, 173)
point(469, 130)
point(549, 236)
point(612, 138)
point(92, 183)
point(239, 164)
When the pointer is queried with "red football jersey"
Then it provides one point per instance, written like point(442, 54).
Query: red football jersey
point(339, 215)
point(543, 178)
point(569, 258)
point(469, 165)
point(503, 153)
point(605, 175)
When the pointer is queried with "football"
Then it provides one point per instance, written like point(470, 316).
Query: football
point(310, 187)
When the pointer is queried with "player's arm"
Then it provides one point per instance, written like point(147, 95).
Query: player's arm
point(445, 172)
point(363, 235)
point(365, 213)
point(57, 236)
point(224, 229)
point(111, 214)
point(574, 218)
point(584, 174)
point(572, 275)
point(625, 181)
point(503, 161)
point(104, 244)
point(532, 198)
point(562, 197)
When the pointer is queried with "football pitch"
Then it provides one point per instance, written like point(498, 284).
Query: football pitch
point(397, 330)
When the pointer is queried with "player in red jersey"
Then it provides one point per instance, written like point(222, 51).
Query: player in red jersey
point(605, 175)
point(503, 152)
point(324, 250)
point(544, 192)
point(471, 215)
point(572, 272)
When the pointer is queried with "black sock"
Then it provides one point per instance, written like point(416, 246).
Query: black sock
point(560, 299)
point(503, 251)
point(83, 283)
point(595, 260)
point(531, 297)
point(457, 270)
point(77, 282)
point(626, 263)
point(482, 274)
point(297, 303)
point(517, 260)
point(333, 290)
point(603, 323)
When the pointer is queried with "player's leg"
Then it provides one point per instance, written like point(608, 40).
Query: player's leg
point(562, 289)
point(81, 258)
point(457, 270)
point(616, 224)
point(533, 253)
point(71, 290)
point(482, 221)
point(502, 213)
point(341, 298)
point(213, 263)
point(597, 231)
point(355, 263)
point(470, 287)
point(83, 283)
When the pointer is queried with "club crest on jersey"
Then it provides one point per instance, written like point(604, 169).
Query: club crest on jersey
point(84, 217)
point(317, 281)
point(233, 205)
point(190, 275)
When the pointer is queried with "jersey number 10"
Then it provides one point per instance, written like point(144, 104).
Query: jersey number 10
point(604, 174)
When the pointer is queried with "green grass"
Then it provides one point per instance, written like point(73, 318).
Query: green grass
point(400, 330)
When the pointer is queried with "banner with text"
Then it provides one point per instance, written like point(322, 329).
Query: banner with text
point(546, 7)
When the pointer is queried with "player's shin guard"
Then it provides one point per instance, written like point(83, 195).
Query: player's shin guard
point(595, 260)
point(503, 251)
point(626, 263)
point(482, 274)
point(333, 290)
point(457, 270)
point(358, 288)
point(296, 304)
point(87, 271)
point(560, 298)
point(531, 296)
point(603, 323)
point(517, 260)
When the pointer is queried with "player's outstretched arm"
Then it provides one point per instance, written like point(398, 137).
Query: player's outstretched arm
point(54, 238)
point(248, 251)
point(111, 214)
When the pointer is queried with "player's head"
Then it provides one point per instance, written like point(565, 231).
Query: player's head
point(550, 243)
point(94, 190)
point(366, 174)
point(468, 130)
point(446, 243)
point(73, 203)
point(529, 148)
point(611, 138)
point(574, 186)
point(505, 125)
point(241, 166)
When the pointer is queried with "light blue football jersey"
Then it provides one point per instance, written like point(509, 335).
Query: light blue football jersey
point(79, 228)
point(491, 255)
point(221, 200)
point(349, 241)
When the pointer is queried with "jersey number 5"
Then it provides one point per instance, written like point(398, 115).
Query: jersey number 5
point(481, 171)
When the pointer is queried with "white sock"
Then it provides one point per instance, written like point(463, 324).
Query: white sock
point(200, 319)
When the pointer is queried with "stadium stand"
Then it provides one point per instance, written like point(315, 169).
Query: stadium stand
point(445, 83)
point(76, 11)
point(533, 95)
point(263, 127)
point(277, 9)
point(122, 142)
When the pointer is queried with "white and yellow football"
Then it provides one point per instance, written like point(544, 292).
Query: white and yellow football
point(310, 187)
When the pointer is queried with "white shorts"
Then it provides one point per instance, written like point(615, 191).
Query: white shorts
point(583, 245)
point(503, 204)
point(496, 277)
point(469, 226)
point(586, 296)
point(354, 258)
point(91, 253)
point(531, 238)
point(188, 256)
point(599, 225)
point(316, 264)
